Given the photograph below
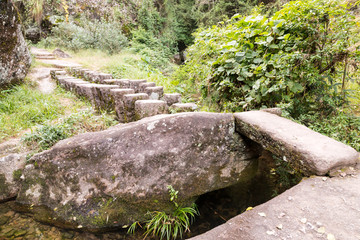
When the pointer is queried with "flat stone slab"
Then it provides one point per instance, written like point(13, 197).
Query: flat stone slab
point(172, 98)
point(306, 149)
point(155, 93)
point(316, 208)
point(183, 107)
point(148, 108)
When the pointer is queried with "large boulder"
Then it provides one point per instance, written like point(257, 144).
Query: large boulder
point(12, 163)
point(112, 178)
point(14, 55)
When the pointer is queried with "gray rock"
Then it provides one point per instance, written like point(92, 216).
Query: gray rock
point(135, 84)
point(143, 86)
point(183, 107)
point(172, 98)
point(123, 83)
point(118, 95)
point(11, 167)
point(111, 178)
point(309, 151)
point(12, 162)
point(60, 53)
point(148, 108)
point(102, 97)
point(317, 208)
point(155, 93)
point(129, 105)
point(15, 57)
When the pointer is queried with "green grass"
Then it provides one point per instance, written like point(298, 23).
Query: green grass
point(24, 106)
point(46, 135)
point(126, 65)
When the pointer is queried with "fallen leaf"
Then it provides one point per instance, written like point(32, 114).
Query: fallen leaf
point(249, 208)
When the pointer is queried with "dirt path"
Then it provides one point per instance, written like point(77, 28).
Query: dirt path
point(41, 75)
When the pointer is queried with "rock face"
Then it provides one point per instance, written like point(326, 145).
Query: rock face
point(316, 208)
point(114, 177)
point(12, 162)
point(14, 55)
point(309, 151)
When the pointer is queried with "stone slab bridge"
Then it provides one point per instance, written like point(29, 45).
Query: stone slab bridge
point(109, 179)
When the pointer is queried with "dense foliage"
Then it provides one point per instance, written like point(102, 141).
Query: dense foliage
point(295, 57)
point(87, 34)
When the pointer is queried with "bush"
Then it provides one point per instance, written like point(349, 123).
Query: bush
point(294, 57)
point(88, 34)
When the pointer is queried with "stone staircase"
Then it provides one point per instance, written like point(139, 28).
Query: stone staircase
point(131, 99)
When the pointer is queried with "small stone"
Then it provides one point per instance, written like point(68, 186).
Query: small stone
point(261, 214)
point(303, 220)
point(321, 230)
point(343, 174)
point(79, 226)
point(290, 198)
point(330, 237)
point(280, 226)
point(324, 179)
point(272, 232)
point(281, 215)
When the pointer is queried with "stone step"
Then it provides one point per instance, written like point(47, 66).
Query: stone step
point(135, 84)
point(143, 86)
point(102, 96)
point(100, 77)
point(129, 105)
point(172, 98)
point(148, 108)
point(118, 95)
point(183, 107)
point(309, 151)
point(85, 90)
point(70, 83)
point(155, 93)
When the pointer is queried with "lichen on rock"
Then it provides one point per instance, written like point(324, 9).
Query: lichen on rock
point(15, 58)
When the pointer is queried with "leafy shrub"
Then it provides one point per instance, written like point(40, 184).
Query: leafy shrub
point(88, 34)
point(293, 57)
